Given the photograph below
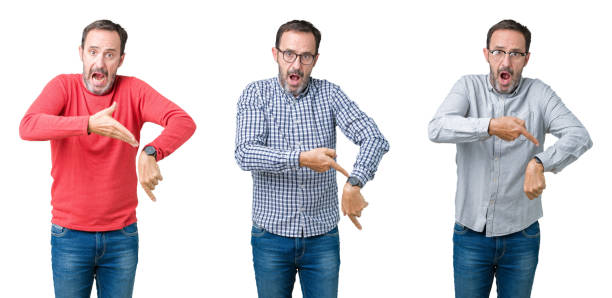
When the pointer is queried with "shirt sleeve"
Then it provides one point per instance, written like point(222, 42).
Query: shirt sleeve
point(362, 131)
point(178, 125)
point(573, 138)
point(252, 152)
point(451, 124)
point(44, 120)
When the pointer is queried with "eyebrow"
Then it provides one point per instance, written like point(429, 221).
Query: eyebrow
point(107, 50)
point(291, 50)
point(509, 50)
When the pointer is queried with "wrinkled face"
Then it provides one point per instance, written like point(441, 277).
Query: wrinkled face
point(294, 76)
point(506, 69)
point(101, 59)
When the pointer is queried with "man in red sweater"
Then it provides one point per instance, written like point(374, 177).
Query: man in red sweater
point(93, 121)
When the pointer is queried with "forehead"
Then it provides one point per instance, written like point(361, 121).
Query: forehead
point(507, 39)
point(300, 42)
point(102, 39)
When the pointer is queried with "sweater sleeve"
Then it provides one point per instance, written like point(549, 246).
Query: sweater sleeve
point(178, 125)
point(44, 119)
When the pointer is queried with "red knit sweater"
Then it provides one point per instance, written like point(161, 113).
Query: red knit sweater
point(94, 177)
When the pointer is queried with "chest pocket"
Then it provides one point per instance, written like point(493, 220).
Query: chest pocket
point(324, 125)
point(526, 116)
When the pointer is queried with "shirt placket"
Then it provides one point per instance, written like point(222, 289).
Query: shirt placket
point(498, 111)
point(298, 144)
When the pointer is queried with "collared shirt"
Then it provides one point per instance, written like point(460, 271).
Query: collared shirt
point(273, 127)
point(490, 170)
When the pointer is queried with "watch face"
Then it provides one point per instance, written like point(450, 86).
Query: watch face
point(353, 181)
point(150, 150)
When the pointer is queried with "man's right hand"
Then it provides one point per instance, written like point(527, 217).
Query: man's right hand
point(102, 123)
point(509, 128)
point(321, 160)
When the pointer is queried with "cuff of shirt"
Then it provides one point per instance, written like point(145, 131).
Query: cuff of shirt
point(293, 159)
point(482, 128)
point(84, 124)
point(361, 175)
point(546, 161)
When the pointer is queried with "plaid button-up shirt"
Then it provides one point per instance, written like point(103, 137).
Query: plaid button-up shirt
point(273, 127)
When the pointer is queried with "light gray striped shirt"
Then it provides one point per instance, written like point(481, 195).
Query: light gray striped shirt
point(490, 171)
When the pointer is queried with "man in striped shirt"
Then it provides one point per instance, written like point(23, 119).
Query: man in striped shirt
point(286, 135)
point(499, 122)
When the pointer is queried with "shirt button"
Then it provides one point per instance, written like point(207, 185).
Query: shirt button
point(496, 158)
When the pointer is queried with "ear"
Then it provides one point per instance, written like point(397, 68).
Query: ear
point(275, 54)
point(485, 52)
point(315, 60)
point(527, 58)
point(121, 60)
point(81, 53)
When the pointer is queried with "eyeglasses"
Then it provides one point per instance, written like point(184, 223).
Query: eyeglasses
point(499, 54)
point(289, 56)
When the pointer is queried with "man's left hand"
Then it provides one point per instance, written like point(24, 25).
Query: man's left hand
point(353, 203)
point(534, 179)
point(148, 173)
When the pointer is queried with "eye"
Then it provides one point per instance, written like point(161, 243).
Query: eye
point(515, 54)
point(92, 52)
point(289, 54)
point(497, 52)
point(109, 55)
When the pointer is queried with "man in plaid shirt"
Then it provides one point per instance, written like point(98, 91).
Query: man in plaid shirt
point(286, 135)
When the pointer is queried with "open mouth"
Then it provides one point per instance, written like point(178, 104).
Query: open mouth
point(505, 77)
point(98, 77)
point(294, 78)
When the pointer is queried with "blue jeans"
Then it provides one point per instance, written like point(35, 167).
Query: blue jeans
point(512, 259)
point(276, 260)
point(80, 257)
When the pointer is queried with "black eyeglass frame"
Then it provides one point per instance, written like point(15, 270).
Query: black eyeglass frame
point(285, 52)
point(511, 54)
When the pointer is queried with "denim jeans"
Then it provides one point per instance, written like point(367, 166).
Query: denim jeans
point(276, 260)
point(80, 257)
point(511, 259)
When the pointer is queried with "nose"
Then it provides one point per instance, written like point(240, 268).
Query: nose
point(296, 64)
point(505, 60)
point(99, 61)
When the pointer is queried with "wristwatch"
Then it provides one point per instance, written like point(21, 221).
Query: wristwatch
point(354, 181)
point(538, 160)
point(150, 150)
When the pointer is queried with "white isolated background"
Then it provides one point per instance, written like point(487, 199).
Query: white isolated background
point(397, 60)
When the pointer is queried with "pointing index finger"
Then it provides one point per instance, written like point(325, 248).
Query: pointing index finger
point(355, 221)
point(530, 137)
point(338, 168)
point(149, 193)
point(126, 135)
